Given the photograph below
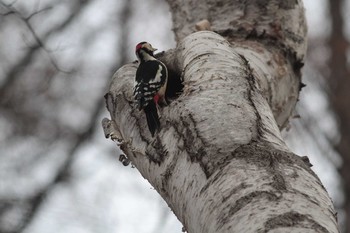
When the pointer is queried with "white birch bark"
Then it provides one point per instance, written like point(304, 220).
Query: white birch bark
point(219, 160)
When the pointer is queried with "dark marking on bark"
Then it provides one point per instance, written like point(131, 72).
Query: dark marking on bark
point(270, 41)
point(294, 174)
point(287, 4)
point(124, 160)
point(294, 37)
point(278, 182)
point(252, 88)
point(235, 190)
point(225, 216)
point(210, 181)
point(301, 85)
point(234, 105)
point(293, 219)
point(297, 64)
point(306, 160)
point(168, 173)
point(306, 196)
point(137, 122)
point(196, 130)
point(262, 155)
point(156, 151)
point(194, 144)
point(262, 5)
point(109, 101)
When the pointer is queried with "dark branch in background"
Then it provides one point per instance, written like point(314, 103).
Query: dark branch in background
point(17, 68)
point(62, 174)
point(79, 139)
point(13, 102)
point(124, 29)
point(312, 127)
point(26, 20)
point(339, 83)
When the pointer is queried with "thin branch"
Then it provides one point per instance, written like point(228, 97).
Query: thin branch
point(64, 172)
point(311, 126)
point(39, 42)
point(80, 138)
point(17, 68)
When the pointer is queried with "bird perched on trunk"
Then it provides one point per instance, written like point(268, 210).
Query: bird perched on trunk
point(150, 84)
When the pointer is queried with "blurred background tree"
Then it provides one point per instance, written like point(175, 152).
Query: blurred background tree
point(59, 174)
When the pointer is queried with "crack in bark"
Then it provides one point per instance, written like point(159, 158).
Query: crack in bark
point(293, 219)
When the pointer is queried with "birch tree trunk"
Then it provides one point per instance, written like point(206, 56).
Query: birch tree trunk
point(219, 160)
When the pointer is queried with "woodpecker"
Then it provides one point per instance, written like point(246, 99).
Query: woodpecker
point(150, 84)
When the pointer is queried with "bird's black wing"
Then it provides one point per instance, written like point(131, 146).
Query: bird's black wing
point(148, 81)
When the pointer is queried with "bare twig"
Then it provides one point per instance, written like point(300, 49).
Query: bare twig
point(17, 68)
point(79, 138)
point(39, 42)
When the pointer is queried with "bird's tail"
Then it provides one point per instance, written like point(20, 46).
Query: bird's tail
point(152, 117)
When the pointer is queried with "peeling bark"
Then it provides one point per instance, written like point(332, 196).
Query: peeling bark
point(219, 160)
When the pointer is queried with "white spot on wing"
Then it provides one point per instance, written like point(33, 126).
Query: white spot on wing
point(158, 74)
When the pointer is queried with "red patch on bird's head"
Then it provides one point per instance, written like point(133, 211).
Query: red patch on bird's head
point(139, 46)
